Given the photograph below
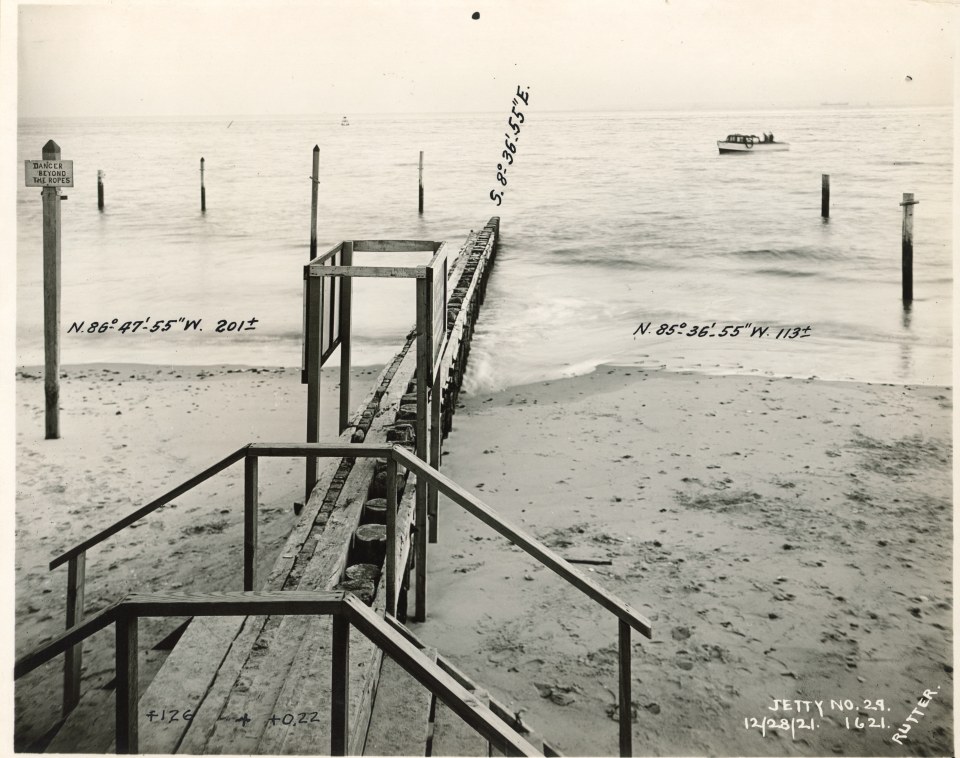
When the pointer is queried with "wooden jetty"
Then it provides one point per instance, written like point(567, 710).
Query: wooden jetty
point(298, 664)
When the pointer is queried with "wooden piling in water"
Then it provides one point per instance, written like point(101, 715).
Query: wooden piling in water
point(906, 259)
point(99, 190)
point(420, 182)
point(825, 196)
point(203, 190)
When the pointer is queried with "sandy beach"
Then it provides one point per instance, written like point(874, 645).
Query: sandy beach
point(789, 539)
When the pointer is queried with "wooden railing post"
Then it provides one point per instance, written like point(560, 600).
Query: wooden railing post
point(626, 704)
point(250, 521)
point(73, 658)
point(340, 695)
point(346, 296)
point(313, 294)
point(127, 692)
point(423, 482)
point(391, 559)
point(315, 182)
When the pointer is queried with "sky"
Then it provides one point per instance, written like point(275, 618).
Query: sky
point(153, 58)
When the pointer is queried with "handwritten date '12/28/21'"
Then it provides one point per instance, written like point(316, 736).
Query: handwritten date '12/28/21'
point(146, 326)
point(727, 330)
point(511, 139)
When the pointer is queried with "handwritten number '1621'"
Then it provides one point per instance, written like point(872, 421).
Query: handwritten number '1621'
point(510, 139)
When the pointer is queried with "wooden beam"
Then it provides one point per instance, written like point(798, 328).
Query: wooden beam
point(319, 449)
point(395, 246)
point(391, 272)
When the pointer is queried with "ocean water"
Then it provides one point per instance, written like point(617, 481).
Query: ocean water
point(609, 222)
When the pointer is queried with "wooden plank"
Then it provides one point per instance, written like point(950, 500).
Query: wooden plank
point(389, 272)
point(185, 678)
point(90, 726)
point(518, 537)
point(398, 724)
point(395, 246)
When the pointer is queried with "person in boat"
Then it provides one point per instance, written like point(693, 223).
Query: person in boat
point(771, 136)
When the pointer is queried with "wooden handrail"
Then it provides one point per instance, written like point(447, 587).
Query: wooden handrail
point(258, 449)
point(65, 640)
point(173, 494)
point(343, 606)
point(524, 541)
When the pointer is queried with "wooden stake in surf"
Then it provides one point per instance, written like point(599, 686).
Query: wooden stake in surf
point(420, 182)
point(825, 196)
point(203, 190)
point(906, 262)
point(99, 190)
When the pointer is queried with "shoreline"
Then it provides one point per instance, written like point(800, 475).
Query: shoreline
point(37, 369)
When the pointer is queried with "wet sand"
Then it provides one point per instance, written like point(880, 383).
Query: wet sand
point(788, 539)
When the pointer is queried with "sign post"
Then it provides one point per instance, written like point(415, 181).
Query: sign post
point(51, 173)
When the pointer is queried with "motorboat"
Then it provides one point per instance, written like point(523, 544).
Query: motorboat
point(748, 143)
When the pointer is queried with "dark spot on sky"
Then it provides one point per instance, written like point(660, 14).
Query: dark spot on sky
point(476, 15)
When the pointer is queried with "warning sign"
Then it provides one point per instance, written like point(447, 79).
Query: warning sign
point(48, 173)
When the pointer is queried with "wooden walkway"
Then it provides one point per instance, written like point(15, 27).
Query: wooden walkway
point(261, 685)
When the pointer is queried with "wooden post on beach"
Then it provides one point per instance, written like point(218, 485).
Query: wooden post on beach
point(346, 291)
point(50, 197)
point(907, 246)
point(314, 180)
point(421, 182)
point(99, 189)
point(203, 190)
point(825, 195)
